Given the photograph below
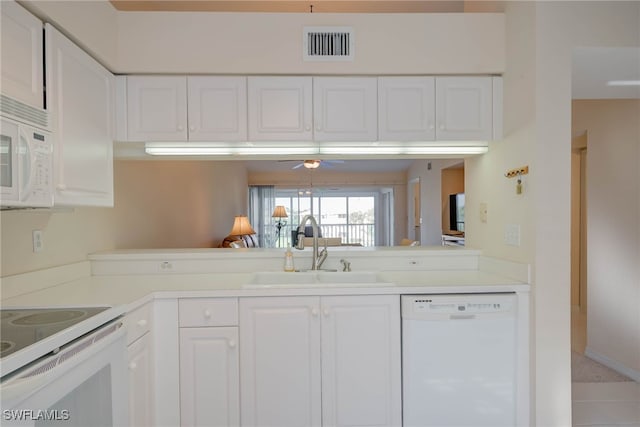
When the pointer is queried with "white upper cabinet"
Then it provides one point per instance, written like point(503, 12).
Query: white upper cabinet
point(217, 108)
point(464, 108)
point(80, 96)
point(406, 109)
point(156, 108)
point(345, 108)
point(21, 53)
point(280, 108)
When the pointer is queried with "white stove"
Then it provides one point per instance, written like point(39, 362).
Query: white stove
point(27, 334)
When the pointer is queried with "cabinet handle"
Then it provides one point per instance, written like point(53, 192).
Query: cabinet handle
point(133, 366)
point(326, 312)
point(314, 311)
point(431, 126)
point(180, 128)
point(192, 128)
point(232, 344)
point(441, 126)
point(318, 127)
point(207, 314)
point(142, 322)
point(307, 127)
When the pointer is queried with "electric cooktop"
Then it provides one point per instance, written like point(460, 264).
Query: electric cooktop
point(23, 327)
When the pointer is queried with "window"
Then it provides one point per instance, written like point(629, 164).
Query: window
point(348, 214)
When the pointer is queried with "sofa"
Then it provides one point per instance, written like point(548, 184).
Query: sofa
point(240, 241)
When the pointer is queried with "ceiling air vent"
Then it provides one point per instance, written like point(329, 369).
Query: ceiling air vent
point(328, 44)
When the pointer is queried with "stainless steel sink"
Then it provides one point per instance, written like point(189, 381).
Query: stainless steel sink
point(317, 279)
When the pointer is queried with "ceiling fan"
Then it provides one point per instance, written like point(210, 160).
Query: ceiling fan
point(314, 164)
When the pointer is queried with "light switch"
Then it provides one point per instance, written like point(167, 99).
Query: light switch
point(483, 212)
point(512, 234)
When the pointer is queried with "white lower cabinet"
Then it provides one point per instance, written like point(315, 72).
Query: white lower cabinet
point(139, 324)
point(312, 361)
point(140, 382)
point(209, 362)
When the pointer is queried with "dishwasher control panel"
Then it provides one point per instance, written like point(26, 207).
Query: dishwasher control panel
point(466, 304)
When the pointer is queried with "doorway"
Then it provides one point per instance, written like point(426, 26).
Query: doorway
point(578, 243)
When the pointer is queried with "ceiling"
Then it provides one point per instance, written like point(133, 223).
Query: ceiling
point(594, 67)
point(304, 6)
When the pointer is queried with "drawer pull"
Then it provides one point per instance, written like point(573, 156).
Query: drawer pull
point(314, 311)
point(207, 314)
point(232, 344)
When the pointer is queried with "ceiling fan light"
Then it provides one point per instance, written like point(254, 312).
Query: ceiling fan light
point(311, 164)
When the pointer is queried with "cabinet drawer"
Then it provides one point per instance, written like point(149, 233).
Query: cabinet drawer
point(138, 322)
point(208, 312)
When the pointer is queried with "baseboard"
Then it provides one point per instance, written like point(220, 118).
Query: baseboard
point(610, 363)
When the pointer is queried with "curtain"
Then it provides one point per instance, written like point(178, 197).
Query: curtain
point(262, 201)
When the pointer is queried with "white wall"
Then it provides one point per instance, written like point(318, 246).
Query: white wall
point(613, 229)
point(537, 79)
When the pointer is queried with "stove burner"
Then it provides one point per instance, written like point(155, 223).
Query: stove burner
point(47, 318)
point(6, 345)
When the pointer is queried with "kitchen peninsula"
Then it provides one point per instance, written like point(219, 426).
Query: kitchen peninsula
point(208, 314)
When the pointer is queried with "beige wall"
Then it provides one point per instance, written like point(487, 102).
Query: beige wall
point(322, 178)
point(613, 227)
point(177, 204)
point(452, 183)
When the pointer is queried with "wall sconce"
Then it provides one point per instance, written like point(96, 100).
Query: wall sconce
point(279, 212)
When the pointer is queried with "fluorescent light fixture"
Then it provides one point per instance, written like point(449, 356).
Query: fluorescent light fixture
point(406, 150)
point(623, 83)
point(191, 149)
point(306, 148)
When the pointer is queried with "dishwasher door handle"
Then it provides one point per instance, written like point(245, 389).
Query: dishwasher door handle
point(462, 316)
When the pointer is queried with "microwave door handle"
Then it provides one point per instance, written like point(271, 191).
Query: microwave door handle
point(26, 166)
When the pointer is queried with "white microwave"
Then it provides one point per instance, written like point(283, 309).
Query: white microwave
point(26, 166)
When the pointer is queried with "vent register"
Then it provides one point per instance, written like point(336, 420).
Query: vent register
point(328, 44)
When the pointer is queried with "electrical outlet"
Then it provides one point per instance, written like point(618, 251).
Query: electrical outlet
point(512, 234)
point(483, 212)
point(38, 241)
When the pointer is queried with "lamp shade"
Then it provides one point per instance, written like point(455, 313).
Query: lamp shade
point(279, 212)
point(241, 226)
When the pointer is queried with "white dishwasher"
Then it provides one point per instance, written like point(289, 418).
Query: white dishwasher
point(459, 360)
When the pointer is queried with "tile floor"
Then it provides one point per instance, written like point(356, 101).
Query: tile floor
point(601, 404)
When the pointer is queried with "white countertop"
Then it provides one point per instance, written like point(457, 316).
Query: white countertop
point(134, 290)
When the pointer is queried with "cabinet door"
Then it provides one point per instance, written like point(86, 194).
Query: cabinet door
point(280, 108)
point(464, 108)
point(361, 376)
point(157, 108)
point(80, 94)
point(141, 383)
point(280, 361)
point(209, 377)
point(217, 108)
point(406, 108)
point(21, 52)
point(345, 108)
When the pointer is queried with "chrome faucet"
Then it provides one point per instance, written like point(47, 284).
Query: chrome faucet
point(317, 260)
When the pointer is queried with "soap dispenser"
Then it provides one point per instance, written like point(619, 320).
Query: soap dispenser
point(288, 260)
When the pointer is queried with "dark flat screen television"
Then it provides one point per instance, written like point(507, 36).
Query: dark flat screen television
point(456, 212)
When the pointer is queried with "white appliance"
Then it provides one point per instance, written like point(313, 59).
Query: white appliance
point(82, 382)
point(26, 166)
point(459, 360)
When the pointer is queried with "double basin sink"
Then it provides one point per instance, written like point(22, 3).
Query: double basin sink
point(318, 279)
